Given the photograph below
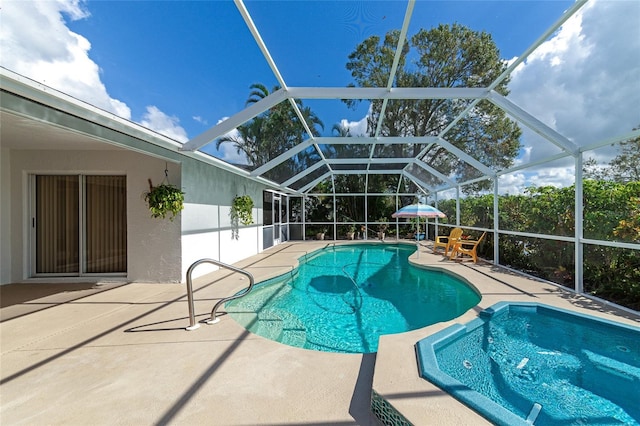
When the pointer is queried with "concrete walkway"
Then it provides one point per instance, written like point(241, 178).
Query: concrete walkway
point(122, 356)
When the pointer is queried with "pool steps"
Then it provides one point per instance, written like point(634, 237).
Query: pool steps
point(612, 366)
point(270, 324)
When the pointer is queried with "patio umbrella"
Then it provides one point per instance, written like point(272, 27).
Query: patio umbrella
point(419, 210)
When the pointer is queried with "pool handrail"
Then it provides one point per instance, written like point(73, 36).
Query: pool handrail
point(212, 320)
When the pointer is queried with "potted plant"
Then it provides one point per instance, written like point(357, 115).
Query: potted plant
point(164, 199)
point(382, 227)
point(363, 232)
point(351, 232)
point(320, 235)
point(242, 210)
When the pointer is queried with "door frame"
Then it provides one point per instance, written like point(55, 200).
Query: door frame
point(31, 267)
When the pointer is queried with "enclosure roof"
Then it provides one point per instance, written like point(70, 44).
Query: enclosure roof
point(409, 166)
point(296, 53)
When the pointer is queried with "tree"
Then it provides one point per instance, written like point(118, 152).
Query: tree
point(273, 132)
point(625, 167)
point(446, 56)
point(611, 213)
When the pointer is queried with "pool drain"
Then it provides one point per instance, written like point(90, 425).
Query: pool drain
point(467, 364)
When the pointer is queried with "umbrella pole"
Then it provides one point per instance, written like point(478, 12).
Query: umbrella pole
point(418, 238)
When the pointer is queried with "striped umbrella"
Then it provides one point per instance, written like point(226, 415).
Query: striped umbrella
point(419, 210)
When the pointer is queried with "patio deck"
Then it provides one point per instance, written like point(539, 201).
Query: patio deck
point(119, 354)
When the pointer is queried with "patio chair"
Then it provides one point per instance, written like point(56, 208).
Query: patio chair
point(467, 247)
point(447, 242)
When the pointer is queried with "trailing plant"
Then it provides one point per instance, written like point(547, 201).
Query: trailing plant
point(164, 199)
point(242, 210)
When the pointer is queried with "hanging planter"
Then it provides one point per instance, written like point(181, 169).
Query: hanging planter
point(163, 199)
point(242, 210)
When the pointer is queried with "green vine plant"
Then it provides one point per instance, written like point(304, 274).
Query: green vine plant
point(164, 199)
point(241, 212)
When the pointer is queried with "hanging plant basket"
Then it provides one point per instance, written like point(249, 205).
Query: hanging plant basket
point(242, 210)
point(164, 199)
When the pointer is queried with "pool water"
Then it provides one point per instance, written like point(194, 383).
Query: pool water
point(342, 298)
point(543, 364)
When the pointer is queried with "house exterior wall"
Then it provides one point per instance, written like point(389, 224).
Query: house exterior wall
point(206, 224)
point(153, 246)
point(158, 250)
point(5, 215)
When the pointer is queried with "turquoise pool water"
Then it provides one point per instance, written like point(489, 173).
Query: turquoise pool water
point(342, 298)
point(525, 361)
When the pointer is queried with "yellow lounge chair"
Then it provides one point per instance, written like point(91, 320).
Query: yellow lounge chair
point(468, 247)
point(447, 242)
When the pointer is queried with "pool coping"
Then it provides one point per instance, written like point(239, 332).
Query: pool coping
point(420, 401)
point(123, 357)
point(428, 365)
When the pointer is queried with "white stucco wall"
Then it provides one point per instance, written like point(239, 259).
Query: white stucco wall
point(153, 245)
point(158, 250)
point(206, 224)
point(5, 215)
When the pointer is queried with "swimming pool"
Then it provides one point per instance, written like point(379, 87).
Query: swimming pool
point(523, 363)
point(342, 298)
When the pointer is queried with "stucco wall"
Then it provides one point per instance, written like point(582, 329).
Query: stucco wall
point(153, 245)
point(206, 224)
point(5, 215)
point(158, 250)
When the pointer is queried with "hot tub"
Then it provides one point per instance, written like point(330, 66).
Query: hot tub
point(524, 363)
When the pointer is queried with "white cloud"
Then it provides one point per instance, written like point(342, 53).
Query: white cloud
point(36, 42)
point(556, 176)
point(356, 128)
point(230, 154)
point(200, 120)
point(228, 151)
point(525, 155)
point(512, 184)
point(553, 176)
point(583, 81)
point(160, 122)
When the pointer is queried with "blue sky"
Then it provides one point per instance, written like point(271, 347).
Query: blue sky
point(179, 67)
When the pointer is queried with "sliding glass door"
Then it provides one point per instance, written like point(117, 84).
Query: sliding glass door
point(79, 225)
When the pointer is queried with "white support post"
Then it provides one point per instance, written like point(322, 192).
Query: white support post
point(366, 206)
point(397, 207)
point(496, 224)
point(458, 205)
point(435, 235)
point(335, 217)
point(304, 217)
point(579, 213)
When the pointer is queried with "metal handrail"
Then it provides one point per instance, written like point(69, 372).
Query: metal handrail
point(212, 320)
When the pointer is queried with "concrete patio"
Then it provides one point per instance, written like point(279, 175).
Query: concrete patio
point(117, 353)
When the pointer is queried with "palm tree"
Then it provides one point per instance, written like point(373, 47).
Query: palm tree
point(273, 132)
